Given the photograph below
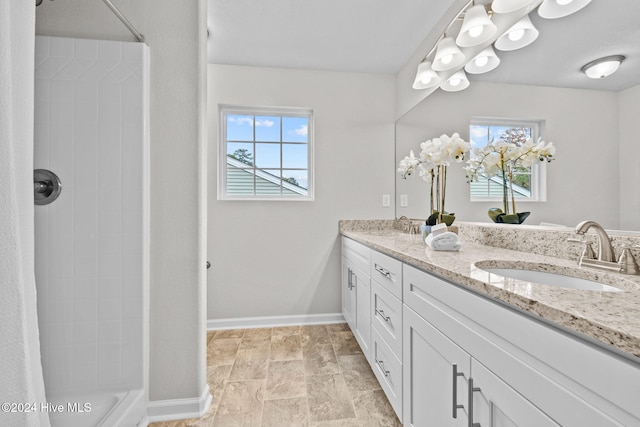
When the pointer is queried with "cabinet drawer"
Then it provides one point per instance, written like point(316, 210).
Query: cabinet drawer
point(357, 253)
point(386, 312)
point(388, 369)
point(387, 272)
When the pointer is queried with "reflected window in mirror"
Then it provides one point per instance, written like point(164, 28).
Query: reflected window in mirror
point(529, 184)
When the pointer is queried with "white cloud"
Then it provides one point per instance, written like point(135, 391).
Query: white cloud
point(241, 120)
point(478, 132)
point(303, 130)
point(265, 123)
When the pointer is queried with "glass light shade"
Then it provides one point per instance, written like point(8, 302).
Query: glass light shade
point(603, 67)
point(552, 9)
point(484, 62)
point(476, 28)
point(508, 6)
point(448, 55)
point(426, 77)
point(522, 34)
point(456, 82)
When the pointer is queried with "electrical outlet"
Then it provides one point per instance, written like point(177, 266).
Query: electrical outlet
point(404, 200)
point(386, 200)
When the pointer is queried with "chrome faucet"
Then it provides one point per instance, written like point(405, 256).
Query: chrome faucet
point(606, 259)
point(605, 249)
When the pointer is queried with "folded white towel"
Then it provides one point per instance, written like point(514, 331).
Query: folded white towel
point(447, 241)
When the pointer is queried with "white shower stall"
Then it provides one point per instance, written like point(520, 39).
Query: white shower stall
point(92, 242)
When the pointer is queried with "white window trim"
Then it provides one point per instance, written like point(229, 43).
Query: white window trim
point(538, 171)
point(224, 110)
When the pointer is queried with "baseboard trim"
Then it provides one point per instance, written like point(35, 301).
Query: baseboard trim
point(179, 409)
point(274, 321)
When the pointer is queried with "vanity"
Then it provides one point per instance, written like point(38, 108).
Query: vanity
point(453, 344)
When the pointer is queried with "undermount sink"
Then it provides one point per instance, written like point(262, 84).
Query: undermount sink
point(553, 279)
point(533, 274)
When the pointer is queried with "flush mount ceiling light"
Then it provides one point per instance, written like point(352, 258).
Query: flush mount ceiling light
point(508, 6)
point(484, 62)
point(522, 34)
point(603, 67)
point(426, 77)
point(552, 9)
point(476, 28)
point(456, 82)
point(448, 55)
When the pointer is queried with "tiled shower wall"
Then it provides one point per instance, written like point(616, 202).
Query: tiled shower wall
point(90, 256)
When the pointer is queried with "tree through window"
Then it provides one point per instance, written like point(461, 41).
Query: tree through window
point(528, 183)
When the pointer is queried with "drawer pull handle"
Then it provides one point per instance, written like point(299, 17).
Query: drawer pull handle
point(456, 374)
point(383, 271)
point(472, 390)
point(381, 313)
point(381, 364)
point(350, 284)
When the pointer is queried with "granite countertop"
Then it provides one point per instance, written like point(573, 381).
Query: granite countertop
point(610, 318)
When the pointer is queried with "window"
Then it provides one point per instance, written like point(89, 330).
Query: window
point(266, 153)
point(529, 184)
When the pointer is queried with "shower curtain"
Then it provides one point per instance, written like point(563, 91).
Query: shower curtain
point(21, 379)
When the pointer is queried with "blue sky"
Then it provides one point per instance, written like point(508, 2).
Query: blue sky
point(480, 135)
point(270, 129)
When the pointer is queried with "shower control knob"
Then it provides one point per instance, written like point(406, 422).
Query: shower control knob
point(46, 186)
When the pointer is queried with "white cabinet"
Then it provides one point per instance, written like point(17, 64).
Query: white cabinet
point(529, 373)
point(495, 404)
point(387, 367)
point(386, 316)
point(443, 353)
point(435, 374)
point(356, 292)
point(445, 386)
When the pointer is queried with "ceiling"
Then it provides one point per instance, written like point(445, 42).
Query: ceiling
point(379, 36)
point(376, 36)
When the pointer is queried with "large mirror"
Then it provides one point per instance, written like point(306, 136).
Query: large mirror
point(596, 171)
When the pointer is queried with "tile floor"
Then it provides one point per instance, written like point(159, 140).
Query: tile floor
point(313, 376)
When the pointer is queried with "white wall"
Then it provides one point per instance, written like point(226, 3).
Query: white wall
point(629, 147)
point(283, 258)
point(176, 35)
point(582, 181)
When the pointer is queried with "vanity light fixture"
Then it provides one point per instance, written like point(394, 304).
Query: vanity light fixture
point(552, 9)
point(484, 62)
point(456, 82)
point(476, 28)
point(425, 77)
point(448, 55)
point(522, 34)
point(447, 61)
point(603, 67)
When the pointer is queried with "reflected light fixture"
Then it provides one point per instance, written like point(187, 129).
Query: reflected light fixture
point(425, 76)
point(522, 34)
point(448, 55)
point(484, 62)
point(552, 9)
point(603, 67)
point(456, 82)
point(476, 28)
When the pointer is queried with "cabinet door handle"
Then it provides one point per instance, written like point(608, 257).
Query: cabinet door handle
point(456, 374)
point(381, 364)
point(383, 271)
point(381, 313)
point(472, 390)
point(350, 279)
